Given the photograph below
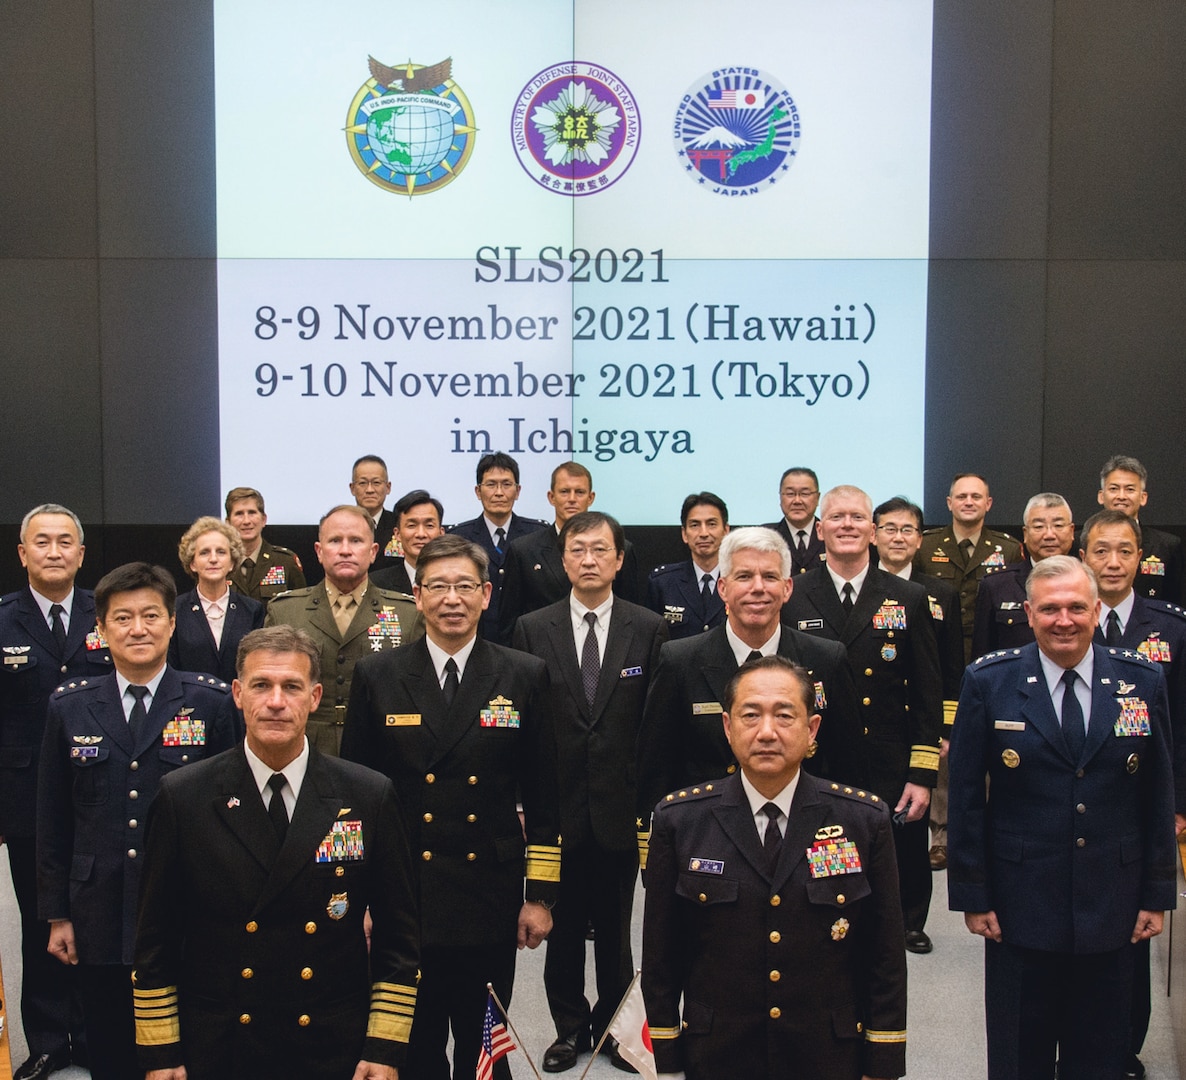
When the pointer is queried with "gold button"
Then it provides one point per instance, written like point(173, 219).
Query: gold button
point(470, 856)
point(775, 976)
point(426, 856)
point(860, 1027)
point(304, 1020)
point(471, 818)
point(247, 973)
point(184, 758)
point(310, 928)
point(245, 1018)
point(731, 769)
point(472, 780)
point(339, 871)
point(428, 817)
point(868, 671)
point(703, 899)
point(252, 927)
point(430, 778)
point(775, 1013)
point(840, 898)
point(864, 701)
point(775, 936)
point(306, 974)
point(775, 900)
point(889, 634)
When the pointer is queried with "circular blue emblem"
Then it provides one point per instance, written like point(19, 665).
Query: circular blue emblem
point(736, 131)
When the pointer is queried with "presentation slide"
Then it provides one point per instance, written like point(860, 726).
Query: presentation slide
point(684, 248)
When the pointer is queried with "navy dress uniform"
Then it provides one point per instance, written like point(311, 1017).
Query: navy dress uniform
point(33, 667)
point(277, 569)
point(1065, 849)
point(192, 646)
point(796, 972)
point(812, 555)
point(676, 592)
point(890, 639)
point(251, 958)
point(683, 742)
point(394, 577)
point(1160, 573)
point(476, 530)
point(97, 778)
point(1000, 620)
point(460, 772)
point(382, 622)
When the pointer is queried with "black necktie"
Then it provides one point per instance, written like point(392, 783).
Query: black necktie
point(590, 660)
point(139, 716)
point(753, 655)
point(452, 681)
point(801, 545)
point(500, 538)
point(1112, 633)
point(58, 628)
point(846, 600)
point(1072, 716)
point(772, 842)
point(706, 589)
point(276, 809)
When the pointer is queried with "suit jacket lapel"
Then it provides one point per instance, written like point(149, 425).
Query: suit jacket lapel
point(82, 622)
point(1104, 709)
point(476, 689)
point(563, 643)
point(870, 599)
point(234, 626)
point(241, 809)
point(34, 624)
point(822, 594)
point(108, 712)
point(806, 817)
point(616, 643)
point(166, 702)
point(1037, 707)
point(719, 664)
point(734, 816)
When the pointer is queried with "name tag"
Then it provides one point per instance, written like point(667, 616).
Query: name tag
point(811, 624)
point(16, 660)
point(84, 751)
point(704, 708)
point(411, 719)
point(1009, 725)
point(630, 672)
point(706, 866)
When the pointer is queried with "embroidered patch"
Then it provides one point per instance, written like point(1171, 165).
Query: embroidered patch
point(343, 843)
point(833, 857)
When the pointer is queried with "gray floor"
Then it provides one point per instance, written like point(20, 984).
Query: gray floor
point(946, 1019)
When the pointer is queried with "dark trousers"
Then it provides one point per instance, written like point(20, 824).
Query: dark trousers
point(912, 847)
point(597, 887)
point(50, 1011)
point(1043, 1006)
point(106, 992)
point(1142, 999)
point(452, 992)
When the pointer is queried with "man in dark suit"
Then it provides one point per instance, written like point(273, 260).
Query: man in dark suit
point(260, 865)
point(497, 526)
point(885, 624)
point(1123, 486)
point(417, 520)
point(345, 614)
point(370, 486)
point(601, 652)
point(1111, 549)
point(48, 634)
point(685, 593)
point(772, 909)
point(265, 569)
point(898, 537)
point(798, 494)
point(1048, 529)
point(460, 725)
point(108, 742)
point(535, 575)
point(1067, 857)
point(682, 741)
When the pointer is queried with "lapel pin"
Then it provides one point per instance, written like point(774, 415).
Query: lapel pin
point(232, 802)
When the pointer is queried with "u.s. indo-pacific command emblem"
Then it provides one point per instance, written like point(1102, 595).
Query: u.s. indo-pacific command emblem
point(410, 128)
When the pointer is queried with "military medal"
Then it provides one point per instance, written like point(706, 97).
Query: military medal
point(338, 906)
point(95, 640)
point(821, 699)
point(936, 609)
point(1153, 565)
point(1133, 718)
point(829, 858)
point(890, 616)
point(184, 731)
point(386, 629)
point(343, 843)
point(839, 929)
point(1133, 763)
point(889, 652)
point(499, 713)
point(274, 576)
point(1153, 648)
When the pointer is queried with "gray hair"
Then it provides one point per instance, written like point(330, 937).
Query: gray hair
point(1045, 499)
point(51, 508)
point(1057, 566)
point(1123, 463)
point(754, 538)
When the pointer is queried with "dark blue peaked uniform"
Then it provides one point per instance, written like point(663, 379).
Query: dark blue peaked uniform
point(674, 591)
point(1066, 852)
point(475, 530)
point(33, 668)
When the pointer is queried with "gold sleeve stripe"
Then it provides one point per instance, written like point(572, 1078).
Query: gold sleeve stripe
point(885, 1036)
point(644, 848)
point(158, 1022)
point(543, 862)
point(949, 712)
point(924, 757)
point(392, 1008)
point(664, 1033)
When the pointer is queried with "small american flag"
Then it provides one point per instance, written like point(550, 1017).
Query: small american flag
point(496, 1042)
point(736, 99)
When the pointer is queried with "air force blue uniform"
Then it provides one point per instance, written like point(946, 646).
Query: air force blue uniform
point(675, 592)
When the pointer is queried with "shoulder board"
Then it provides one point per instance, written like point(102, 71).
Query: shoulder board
point(395, 594)
point(283, 550)
point(1132, 656)
point(75, 686)
point(997, 534)
point(856, 794)
point(290, 594)
point(996, 657)
point(691, 794)
point(666, 568)
point(194, 678)
point(7, 599)
point(937, 531)
point(1164, 607)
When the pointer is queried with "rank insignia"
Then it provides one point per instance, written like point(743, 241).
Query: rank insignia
point(274, 576)
point(95, 640)
point(706, 866)
point(232, 802)
point(673, 614)
point(936, 608)
point(343, 843)
point(839, 929)
point(500, 713)
point(88, 740)
point(889, 652)
point(84, 751)
point(890, 616)
point(1133, 718)
point(821, 699)
point(830, 858)
point(1153, 648)
point(939, 556)
point(1153, 565)
point(387, 628)
point(630, 672)
point(184, 731)
point(1011, 758)
point(338, 906)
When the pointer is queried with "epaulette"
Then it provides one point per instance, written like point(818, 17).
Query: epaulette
point(1001, 534)
point(75, 685)
point(666, 568)
point(996, 657)
point(1163, 606)
point(5, 599)
point(285, 551)
point(856, 794)
point(395, 594)
point(1131, 655)
point(211, 681)
point(690, 794)
point(935, 531)
point(289, 593)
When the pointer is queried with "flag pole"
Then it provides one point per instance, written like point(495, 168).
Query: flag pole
point(605, 1033)
point(506, 1017)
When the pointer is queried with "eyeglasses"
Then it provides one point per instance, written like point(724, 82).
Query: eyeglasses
point(894, 530)
point(366, 485)
point(498, 485)
point(599, 552)
point(799, 493)
point(442, 588)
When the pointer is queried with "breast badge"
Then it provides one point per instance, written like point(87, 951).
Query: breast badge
point(338, 905)
point(343, 843)
point(832, 857)
point(839, 929)
point(274, 576)
point(184, 731)
point(386, 628)
point(499, 713)
point(1011, 758)
point(95, 640)
point(890, 616)
point(706, 866)
point(1133, 718)
point(1153, 648)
